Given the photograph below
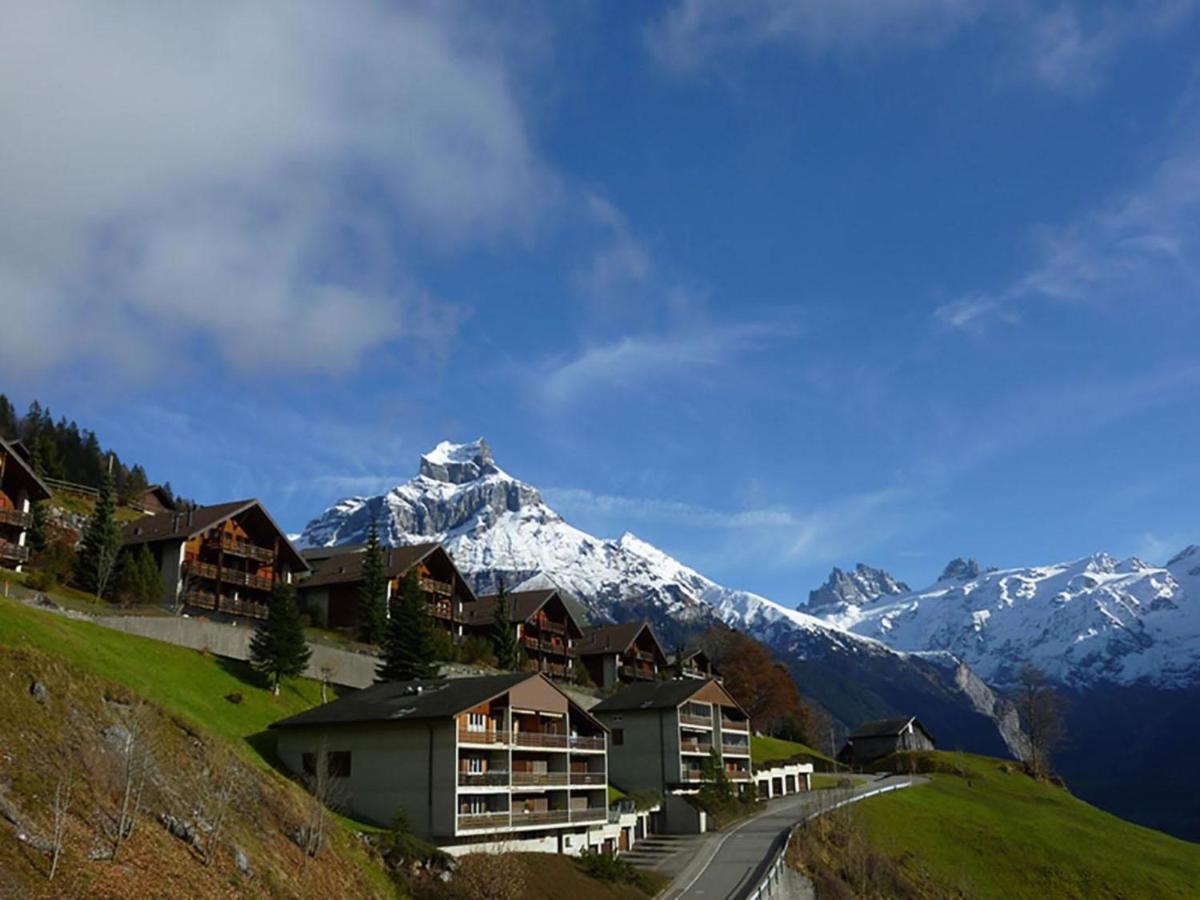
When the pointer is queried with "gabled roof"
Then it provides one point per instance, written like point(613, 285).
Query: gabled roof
point(615, 638)
point(522, 606)
point(659, 695)
point(345, 566)
point(688, 655)
point(187, 524)
point(36, 487)
point(885, 728)
point(160, 494)
point(398, 701)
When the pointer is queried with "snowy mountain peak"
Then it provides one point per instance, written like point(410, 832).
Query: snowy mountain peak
point(459, 463)
point(960, 569)
point(1188, 557)
point(854, 588)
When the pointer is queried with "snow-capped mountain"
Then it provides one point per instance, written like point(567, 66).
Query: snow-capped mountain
point(1091, 621)
point(494, 525)
point(854, 588)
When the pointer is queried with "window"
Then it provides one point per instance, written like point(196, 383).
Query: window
point(476, 722)
point(618, 736)
point(337, 763)
point(475, 765)
point(474, 806)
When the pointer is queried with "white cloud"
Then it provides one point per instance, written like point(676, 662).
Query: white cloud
point(172, 172)
point(633, 361)
point(1141, 248)
point(1063, 45)
point(668, 511)
point(620, 260)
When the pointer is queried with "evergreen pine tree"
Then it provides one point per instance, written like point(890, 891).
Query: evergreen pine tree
point(140, 581)
point(408, 647)
point(278, 648)
point(372, 595)
point(504, 634)
point(97, 557)
point(38, 532)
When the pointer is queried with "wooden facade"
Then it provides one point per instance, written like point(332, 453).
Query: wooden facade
point(20, 488)
point(875, 740)
point(545, 627)
point(622, 654)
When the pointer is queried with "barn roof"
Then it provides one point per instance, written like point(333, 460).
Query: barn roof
point(615, 639)
point(659, 695)
point(346, 566)
point(886, 727)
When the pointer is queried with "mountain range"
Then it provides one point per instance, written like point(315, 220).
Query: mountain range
point(1120, 637)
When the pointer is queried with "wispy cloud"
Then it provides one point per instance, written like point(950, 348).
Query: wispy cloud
point(637, 360)
point(174, 175)
point(1140, 248)
point(619, 260)
point(643, 509)
point(1067, 46)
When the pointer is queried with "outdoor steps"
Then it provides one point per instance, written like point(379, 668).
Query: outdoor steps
point(650, 852)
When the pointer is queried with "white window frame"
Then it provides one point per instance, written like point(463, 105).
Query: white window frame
point(477, 722)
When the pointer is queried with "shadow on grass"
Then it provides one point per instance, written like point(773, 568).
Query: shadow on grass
point(243, 672)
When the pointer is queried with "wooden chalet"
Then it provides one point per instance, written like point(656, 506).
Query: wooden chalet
point(621, 654)
point(154, 499)
point(330, 594)
point(691, 664)
point(20, 488)
point(546, 627)
point(224, 559)
point(875, 740)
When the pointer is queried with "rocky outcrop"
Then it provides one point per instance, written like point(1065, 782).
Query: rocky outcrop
point(853, 588)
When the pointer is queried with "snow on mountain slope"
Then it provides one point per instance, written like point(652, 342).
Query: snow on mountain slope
point(860, 585)
point(1091, 621)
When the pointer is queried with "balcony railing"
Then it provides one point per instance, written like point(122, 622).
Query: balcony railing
point(643, 655)
point(433, 586)
point(235, 547)
point(695, 747)
point(551, 627)
point(589, 778)
point(11, 551)
point(228, 576)
point(692, 775)
point(591, 814)
point(539, 739)
point(539, 779)
point(737, 774)
point(491, 736)
point(200, 599)
point(735, 749)
point(530, 641)
point(587, 742)
point(734, 725)
point(15, 517)
point(637, 673)
point(557, 670)
point(541, 817)
point(492, 778)
point(693, 719)
point(441, 610)
point(471, 821)
point(235, 607)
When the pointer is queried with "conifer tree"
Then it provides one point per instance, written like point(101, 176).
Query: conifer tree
point(504, 635)
point(140, 579)
point(408, 647)
point(97, 557)
point(278, 648)
point(38, 533)
point(372, 594)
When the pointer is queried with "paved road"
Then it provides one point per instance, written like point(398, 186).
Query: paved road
point(730, 863)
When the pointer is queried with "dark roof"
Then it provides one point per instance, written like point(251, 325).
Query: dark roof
point(883, 727)
point(186, 524)
point(522, 606)
point(688, 655)
point(613, 638)
point(653, 695)
point(397, 701)
point(160, 494)
point(346, 566)
point(17, 457)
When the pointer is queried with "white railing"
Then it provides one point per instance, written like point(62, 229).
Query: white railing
point(762, 890)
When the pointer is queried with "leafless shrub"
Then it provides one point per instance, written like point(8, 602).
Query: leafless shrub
point(60, 808)
point(490, 876)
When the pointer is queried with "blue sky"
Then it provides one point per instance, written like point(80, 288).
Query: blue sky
point(774, 285)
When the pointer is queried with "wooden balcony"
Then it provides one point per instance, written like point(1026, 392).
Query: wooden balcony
point(13, 552)
point(737, 774)
point(694, 746)
point(227, 605)
point(441, 609)
point(474, 821)
point(200, 599)
point(433, 586)
point(530, 641)
point(555, 670)
point(693, 719)
point(10, 516)
point(492, 778)
point(735, 749)
point(541, 817)
point(637, 674)
point(235, 547)
point(735, 725)
point(540, 779)
point(213, 572)
point(489, 737)
point(551, 627)
point(583, 779)
point(643, 655)
point(539, 739)
point(692, 776)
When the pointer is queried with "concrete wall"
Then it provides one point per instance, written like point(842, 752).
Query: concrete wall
point(233, 641)
point(643, 761)
point(680, 817)
point(393, 766)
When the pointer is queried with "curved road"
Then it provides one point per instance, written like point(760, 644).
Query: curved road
point(731, 863)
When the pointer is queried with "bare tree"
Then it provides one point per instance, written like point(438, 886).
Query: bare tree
point(136, 763)
point(328, 670)
point(60, 808)
point(1040, 710)
point(325, 788)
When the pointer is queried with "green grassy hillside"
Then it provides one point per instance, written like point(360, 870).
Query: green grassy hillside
point(769, 749)
point(982, 828)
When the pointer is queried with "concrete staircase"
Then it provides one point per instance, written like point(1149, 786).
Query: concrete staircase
point(664, 853)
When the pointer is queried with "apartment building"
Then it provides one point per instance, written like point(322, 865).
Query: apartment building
point(472, 761)
point(224, 560)
point(330, 594)
point(692, 663)
point(621, 654)
point(664, 735)
point(546, 627)
point(20, 488)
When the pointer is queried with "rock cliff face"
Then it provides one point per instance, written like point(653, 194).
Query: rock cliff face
point(854, 588)
point(495, 525)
